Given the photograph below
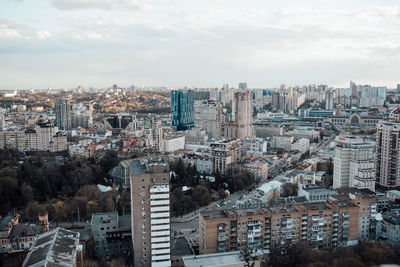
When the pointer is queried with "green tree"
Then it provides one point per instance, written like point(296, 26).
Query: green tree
point(60, 211)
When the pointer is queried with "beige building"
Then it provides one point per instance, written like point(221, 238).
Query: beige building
point(150, 212)
point(208, 116)
point(242, 113)
point(387, 159)
point(12, 139)
point(224, 153)
point(321, 225)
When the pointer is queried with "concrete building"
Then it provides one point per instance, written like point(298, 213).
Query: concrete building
point(321, 225)
point(353, 159)
point(329, 100)
point(208, 116)
point(242, 110)
point(282, 142)
point(315, 193)
point(173, 143)
point(13, 139)
point(301, 145)
point(388, 229)
point(387, 164)
point(224, 153)
point(45, 137)
point(182, 109)
point(150, 212)
point(112, 234)
point(63, 114)
point(254, 146)
point(196, 136)
point(366, 201)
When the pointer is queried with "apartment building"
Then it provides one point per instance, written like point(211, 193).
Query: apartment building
point(224, 153)
point(150, 212)
point(12, 139)
point(321, 225)
point(387, 168)
point(353, 162)
point(173, 143)
point(208, 116)
point(365, 199)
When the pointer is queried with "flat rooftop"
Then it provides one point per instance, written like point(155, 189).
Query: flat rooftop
point(217, 259)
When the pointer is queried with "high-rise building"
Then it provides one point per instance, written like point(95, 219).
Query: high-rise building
point(63, 114)
point(398, 88)
point(353, 89)
point(208, 116)
point(243, 86)
point(387, 160)
point(224, 153)
point(353, 163)
point(242, 127)
point(182, 109)
point(150, 212)
point(329, 100)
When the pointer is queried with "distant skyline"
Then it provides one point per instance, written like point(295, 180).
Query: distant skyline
point(177, 43)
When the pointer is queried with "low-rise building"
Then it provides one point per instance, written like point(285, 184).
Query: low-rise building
point(283, 142)
point(301, 145)
point(58, 247)
point(315, 193)
point(388, 229)
point(173, 143)
point(112, 234)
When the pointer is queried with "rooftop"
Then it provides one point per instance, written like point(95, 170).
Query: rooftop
point(106, 217)
point(218, 259)
point(5, 222)
point(55, 248)
point(392, 217)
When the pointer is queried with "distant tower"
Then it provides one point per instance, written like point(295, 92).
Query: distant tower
point(243, 110)
point(398, 88)
point(63, 114)
point(182, 109)
point(354, 89)
point(329, 100)
point(243, 86)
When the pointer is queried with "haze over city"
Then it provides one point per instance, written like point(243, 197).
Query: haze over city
point(61, 44)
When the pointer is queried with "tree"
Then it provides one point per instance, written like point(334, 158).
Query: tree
point(289, 189)
point(92, 207)
point(59, 211)
point(32, 211)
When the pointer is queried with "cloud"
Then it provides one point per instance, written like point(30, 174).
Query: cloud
point(102, 4)
point(10, 30)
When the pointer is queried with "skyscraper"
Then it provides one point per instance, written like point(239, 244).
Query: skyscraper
point(353, 163)
point(329, 100)
point(63, 114)
point(242, 126)
point(150, 212)
point(182, 109)
point(387, 160)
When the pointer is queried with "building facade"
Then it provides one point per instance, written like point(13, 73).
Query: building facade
point(182, 109)
point(63, 114)
point(150, 212)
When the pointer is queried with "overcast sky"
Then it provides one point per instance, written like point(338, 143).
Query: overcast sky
point(202, 43)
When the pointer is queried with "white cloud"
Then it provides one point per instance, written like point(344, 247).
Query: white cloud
point(10, 30)
point(101, 4)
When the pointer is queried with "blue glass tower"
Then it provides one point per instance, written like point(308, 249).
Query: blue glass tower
point(182, 109)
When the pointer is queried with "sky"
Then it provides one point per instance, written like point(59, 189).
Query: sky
point(204, 43)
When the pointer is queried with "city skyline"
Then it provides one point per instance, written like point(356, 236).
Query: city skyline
point(61, 44)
